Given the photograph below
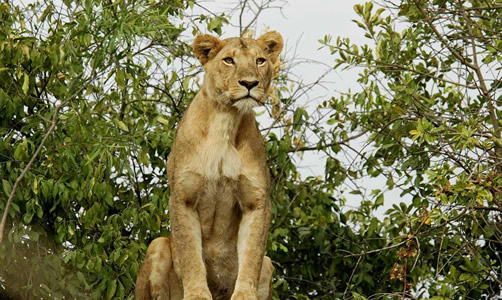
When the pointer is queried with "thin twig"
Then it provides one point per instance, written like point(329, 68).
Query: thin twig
point(243, 7)
point(487, 208)
point(378, 250)
point(321, 147)
point(351, 275)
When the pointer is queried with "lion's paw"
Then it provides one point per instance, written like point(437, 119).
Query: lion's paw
point(198, 298)
point(198, 295)
point(244, 295)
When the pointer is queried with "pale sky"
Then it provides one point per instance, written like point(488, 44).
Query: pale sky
point(303, 23)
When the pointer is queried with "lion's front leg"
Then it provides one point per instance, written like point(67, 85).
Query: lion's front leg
point(187, 241)
point(252, 236)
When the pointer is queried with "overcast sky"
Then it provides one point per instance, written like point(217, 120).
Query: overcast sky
point(302, 23)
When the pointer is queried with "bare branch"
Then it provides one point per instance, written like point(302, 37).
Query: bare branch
point(378, 250)
point(243, 7)
point(310, 148)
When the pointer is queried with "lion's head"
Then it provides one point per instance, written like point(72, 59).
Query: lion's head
point(238, 70)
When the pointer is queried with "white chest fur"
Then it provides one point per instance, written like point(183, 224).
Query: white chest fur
point(218, 156)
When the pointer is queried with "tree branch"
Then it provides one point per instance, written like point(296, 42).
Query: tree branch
point(310, 148)
point(487, 208)
point(378, 250)
point(244, 3)
point(28, 166)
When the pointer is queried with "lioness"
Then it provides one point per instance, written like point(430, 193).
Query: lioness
point(219, 206)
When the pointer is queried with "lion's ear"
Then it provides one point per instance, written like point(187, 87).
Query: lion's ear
point(205, 47)
point(272, 43)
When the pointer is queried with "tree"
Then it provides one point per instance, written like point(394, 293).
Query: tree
point(430, 102)
point(82, 215)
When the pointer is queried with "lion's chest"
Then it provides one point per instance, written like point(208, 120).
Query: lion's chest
point(217, 156)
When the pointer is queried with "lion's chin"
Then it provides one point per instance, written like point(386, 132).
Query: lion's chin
point(245, 105)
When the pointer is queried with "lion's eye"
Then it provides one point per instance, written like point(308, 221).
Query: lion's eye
point(260, 61)
point(228, 60)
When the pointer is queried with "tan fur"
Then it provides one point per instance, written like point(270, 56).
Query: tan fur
point(219, 206)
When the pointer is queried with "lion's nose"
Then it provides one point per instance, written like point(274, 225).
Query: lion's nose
point(248, 84)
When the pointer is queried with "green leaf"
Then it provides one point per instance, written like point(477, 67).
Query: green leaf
point(390, 181)
point(162, 120)
point(34, 236)
point(35, 186)
point(7, 187)
point(28, 217)
point(143, 158)
point(109, 199)
point(111, 287)
point(466, 277)
point(120, 124)
point(122, 259)
point(379, 200)
point(120, 79)
point(80, 276)
point(45, 190)
point(26, 83)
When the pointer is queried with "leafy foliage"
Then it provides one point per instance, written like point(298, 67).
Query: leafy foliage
point(430, 102)
point(97, 192)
